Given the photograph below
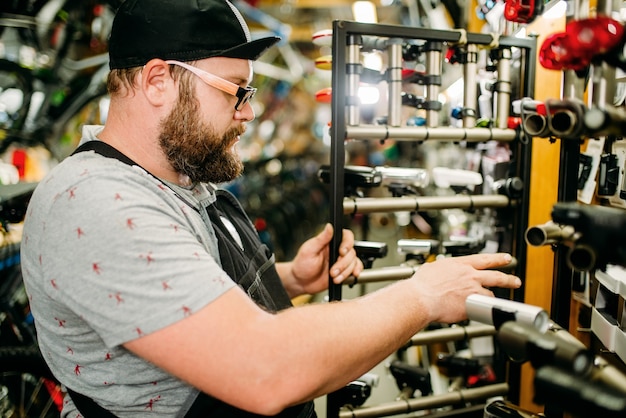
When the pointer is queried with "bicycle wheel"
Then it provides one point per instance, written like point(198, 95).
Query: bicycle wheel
point(16, 90)
point(27, 387)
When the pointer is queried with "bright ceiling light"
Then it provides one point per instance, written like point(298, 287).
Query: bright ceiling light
point(364, 12)
point(368, 95)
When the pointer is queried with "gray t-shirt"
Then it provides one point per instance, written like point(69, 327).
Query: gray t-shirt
point(109, 254)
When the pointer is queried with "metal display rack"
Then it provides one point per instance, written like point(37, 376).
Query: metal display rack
point(348, 40)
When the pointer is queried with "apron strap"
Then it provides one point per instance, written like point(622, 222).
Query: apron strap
point(88, 407)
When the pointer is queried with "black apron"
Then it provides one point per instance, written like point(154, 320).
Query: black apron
point(252, 268)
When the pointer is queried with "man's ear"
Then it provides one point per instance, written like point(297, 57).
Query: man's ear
point(157, 84)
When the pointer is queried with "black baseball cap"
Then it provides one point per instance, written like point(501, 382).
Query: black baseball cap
point(184, 30)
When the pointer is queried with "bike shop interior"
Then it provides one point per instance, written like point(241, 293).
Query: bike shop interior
point(431, 128)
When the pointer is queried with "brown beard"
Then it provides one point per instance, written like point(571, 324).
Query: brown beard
point(193, 148)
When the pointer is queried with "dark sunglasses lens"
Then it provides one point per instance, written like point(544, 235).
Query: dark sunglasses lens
point(244, 96)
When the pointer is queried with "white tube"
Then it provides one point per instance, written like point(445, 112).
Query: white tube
point(495, 311)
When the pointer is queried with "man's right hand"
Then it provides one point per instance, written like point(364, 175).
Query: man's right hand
point(446, 283)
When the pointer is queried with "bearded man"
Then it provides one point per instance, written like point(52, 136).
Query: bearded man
point(151, 291)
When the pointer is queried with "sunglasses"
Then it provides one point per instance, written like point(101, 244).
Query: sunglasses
point(243, 94)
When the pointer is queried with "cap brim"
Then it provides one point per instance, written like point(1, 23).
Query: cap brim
point(250, 50)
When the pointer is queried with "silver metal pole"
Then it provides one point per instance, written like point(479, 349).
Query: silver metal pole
point(401, 272)
point(470, 88)
point(433, 69)
point(422, 133)
point(503, 91)
point(455, 333)
point(428, 402)
point(394, 81)
point(353, 205)
point(382, 274)
point(353, 80)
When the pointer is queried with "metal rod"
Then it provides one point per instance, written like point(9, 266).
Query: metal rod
point(411, 32)
point(470, 88)
point(421, 133)
point(550, 233)
point(353, 205)
point(455, 333)
point(382, 274)
point(433, 69)
point(401, 272)
point(503, 90)
point(337, 151)
point(428, 402)
point(394, 81)
point(353, 71)
point(337, 161)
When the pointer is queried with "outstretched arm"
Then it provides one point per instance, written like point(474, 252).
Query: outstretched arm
point(263, 362)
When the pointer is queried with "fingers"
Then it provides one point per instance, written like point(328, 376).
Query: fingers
point(348, 264)
point(493, 278)
point(486, 261)
point(346, 267)
point(347, 242)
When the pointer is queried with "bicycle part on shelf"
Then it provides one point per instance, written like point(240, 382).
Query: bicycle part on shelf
point(523, 342)
point(418, 249)
point(354, 394)
point(599, 229)
point(499, 311)
point(368, 251)
point(410, 378)
point(355, 177)
point(505, 409)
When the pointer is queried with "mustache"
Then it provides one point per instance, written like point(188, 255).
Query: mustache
point(235, 132)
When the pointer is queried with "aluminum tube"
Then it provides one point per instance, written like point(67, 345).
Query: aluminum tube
point(494, 311)
point(608, 374)
point(536, 125)
point(392, 273)
point(421, 133)
point(522, 342)
point(428, 402)
point(608, 121)
point(382, 274)
point(549, 233)
point(470, 87)
point(455, 333)
point(409, 204)
point(563, 123)
point(433, 68)
point(353, 79)
point(394, 81)
point(503, 99)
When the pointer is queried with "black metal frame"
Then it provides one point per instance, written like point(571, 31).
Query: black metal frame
point(342, 32)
